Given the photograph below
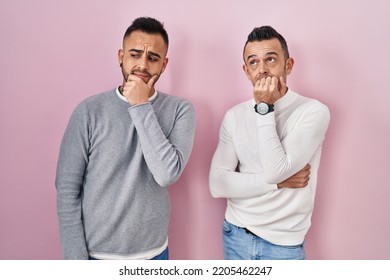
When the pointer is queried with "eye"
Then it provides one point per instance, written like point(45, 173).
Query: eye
point(153, 58)
point(271, 59)
point(134, 55)
point(253, 62)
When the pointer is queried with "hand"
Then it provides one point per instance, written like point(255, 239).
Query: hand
point(136, 90)
point(299, 180)
point(269, 89)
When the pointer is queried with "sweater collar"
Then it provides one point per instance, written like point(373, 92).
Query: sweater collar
point(154, 96)
point(286, 100)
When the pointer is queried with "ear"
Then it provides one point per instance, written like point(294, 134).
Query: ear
point(120, 56)
point(289, 65)
point(165, 63)
point(245, 68)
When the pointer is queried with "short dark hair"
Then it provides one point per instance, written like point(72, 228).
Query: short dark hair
point(148, 25)
point(266, 33)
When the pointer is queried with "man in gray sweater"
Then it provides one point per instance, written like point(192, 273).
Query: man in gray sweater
point(120, 152)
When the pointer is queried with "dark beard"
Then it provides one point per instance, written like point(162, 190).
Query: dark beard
point(126, 76)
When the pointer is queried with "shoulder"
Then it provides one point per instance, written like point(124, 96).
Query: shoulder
point(172, 99)
point(98, 101)
point(237, 114)
point(311, 108)
point(94, 103)
point(310, 104)
point(241, 109)
point(100, 98)
point(168, 102)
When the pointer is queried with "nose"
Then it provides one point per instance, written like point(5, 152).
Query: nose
point(263, 68)
point(143, 63)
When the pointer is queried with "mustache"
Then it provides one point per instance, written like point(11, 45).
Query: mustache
point(134, 71)
point(143, 72)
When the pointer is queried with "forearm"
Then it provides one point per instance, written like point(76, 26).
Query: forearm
point(71, 226)
point(68, 183)
point(230, 184)
point(226, 182)
point(165, 155)
point(278, 164)
point(283, 158)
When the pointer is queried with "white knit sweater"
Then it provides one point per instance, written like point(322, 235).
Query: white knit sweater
point(257, 152)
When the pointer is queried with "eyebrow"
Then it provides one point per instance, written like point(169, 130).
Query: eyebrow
point(268, 53)
point(149, 52)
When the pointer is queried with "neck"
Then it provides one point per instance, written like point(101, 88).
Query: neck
point(285, 91)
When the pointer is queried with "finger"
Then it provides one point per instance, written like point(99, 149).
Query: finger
point(152, 80)
point(274, 84)
point(127, 86)
point(303, 171)
point(268, 81)
point(283, 86)
point(133, 77)
point(307, 167)
point(305, 174)
point(261, 82)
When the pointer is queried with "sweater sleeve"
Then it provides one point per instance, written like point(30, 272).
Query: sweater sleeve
point(224, 180)
point(71, 165)
point(282, 159)
point(165, 155)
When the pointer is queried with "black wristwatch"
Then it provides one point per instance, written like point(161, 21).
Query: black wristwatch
point(264, 108)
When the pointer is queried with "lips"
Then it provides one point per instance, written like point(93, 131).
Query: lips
point(141, 75)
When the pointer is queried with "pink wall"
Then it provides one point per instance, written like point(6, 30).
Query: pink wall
point(55, 53)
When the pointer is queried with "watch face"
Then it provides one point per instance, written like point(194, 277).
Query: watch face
point(262, 108)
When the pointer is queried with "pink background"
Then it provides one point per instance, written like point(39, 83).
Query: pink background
point(55, 53)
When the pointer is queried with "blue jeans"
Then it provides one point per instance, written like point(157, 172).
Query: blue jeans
point(163, 256)
point(240, 244)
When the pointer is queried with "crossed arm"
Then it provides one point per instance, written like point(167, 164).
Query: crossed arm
point(225, 181)
point(284, 162)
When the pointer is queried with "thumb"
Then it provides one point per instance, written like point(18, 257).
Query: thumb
point(283, 86)
point(152, 80)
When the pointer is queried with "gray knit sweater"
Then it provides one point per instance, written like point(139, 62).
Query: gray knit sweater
point(114, 165)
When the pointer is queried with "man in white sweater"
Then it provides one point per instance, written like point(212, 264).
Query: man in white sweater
point(267, 158)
